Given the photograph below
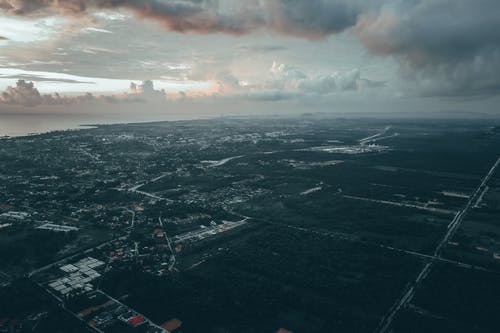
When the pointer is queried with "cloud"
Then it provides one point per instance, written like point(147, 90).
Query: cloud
point(445, 47)
point(312, 19)
point(33, 77)
point(3, 38)
point(145, 91)
point(26, 94)
point(288, 78)
point(262, 48)
point(285, 82)
point(270, 96)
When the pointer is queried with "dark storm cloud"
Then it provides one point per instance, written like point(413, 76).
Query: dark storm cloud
point(444, 46)
point(312, 18)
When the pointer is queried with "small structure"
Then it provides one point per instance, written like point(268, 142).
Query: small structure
point(20, 216)
point(57, 227)
point(136, 320)
point(77, 278)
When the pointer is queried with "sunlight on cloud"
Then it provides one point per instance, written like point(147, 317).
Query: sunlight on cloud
point(25, 31)
point(111, 16)
point(93, 29)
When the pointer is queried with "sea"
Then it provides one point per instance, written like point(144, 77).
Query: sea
point(15, 125)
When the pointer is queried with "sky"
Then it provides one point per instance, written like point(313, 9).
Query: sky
point(255, 56)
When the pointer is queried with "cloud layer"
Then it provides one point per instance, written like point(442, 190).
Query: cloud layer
point(443, 47)
point(281, 82)
point(290, 79)
point(26, 94)
point(312, 18)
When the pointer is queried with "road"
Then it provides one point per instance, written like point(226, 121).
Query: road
point(455, 223)
point(64, 260)
point(213, 164)
point(152, 323)
point(62, 305)
point(149, 195)
point(480, 198)
point(132, 222)
point(110, 259)
point(402, 204)
point(408, 293)
point(172, 253)
point(135, 189)
point(372, 137)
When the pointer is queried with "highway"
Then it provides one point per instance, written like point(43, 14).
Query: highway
point(409, 292)
point(455, 223)
point(480, 198)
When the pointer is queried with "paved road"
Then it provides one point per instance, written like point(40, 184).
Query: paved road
point(372, 137)
point(409, 292)
point(152, 323)
point(172, 253)
point(402, 204)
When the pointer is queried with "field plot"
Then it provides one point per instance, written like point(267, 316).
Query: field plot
point(416, 320)
point(403, 227)
point(278, 278)
point(456, 300)
point(478, 239)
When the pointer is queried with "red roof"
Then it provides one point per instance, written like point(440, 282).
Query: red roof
point(137, 320)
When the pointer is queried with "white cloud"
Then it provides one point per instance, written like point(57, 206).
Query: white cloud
point(94, 29)
point(291, 79)
point(28, 30)
point(49, 82)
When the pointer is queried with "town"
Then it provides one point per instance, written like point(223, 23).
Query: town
point(177, 226)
